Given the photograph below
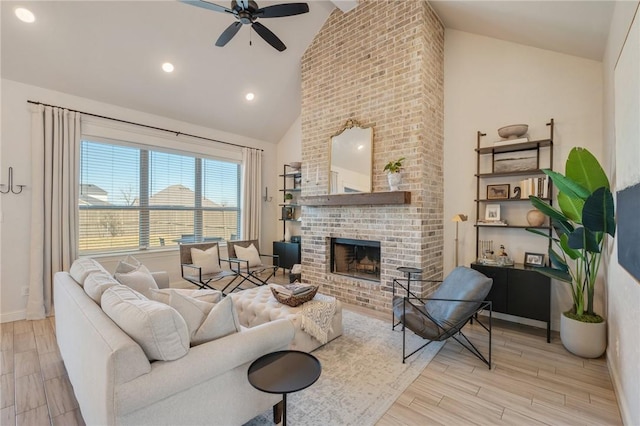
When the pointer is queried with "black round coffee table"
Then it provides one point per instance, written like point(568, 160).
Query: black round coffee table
point(284, 372)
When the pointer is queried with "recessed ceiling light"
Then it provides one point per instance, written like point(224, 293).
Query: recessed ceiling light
point(25, 15)
point(249, 96)
point(167, 67)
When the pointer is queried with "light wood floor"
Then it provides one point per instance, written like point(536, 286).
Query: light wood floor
point(531, 382)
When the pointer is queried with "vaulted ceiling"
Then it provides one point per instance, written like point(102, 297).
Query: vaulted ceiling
point(112, 51)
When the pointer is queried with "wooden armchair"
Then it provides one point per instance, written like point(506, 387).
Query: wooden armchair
point(248, 268)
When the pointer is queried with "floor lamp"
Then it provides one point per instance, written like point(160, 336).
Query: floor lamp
point(457, 219)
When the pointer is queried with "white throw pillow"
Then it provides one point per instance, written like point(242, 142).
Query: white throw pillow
point(157, 328)
point(207, 260)
point(193, 311)
point(139, 279)
point(221, 321)
point(129, 264)
point(164, 294)
point(248, 253)
point(96, 284)
point(83, 267)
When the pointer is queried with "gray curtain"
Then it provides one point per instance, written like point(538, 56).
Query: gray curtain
point(55, 142)
point(251, 193)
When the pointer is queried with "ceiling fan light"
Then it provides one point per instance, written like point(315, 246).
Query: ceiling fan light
point(25, 15)
point(167, 67)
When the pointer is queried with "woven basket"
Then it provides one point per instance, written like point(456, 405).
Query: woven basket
point(294, 300)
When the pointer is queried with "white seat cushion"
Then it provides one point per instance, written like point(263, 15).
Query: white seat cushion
point(157, 328)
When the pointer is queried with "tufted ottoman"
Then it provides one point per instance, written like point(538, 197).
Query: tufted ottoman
point(258, 306)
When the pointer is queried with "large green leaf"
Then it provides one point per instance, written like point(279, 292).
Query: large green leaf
point(567, 185)
point(564, 243)
point(583, 239)
point(598, 212)
point(539, 232)
point(547, 209)
point(571, 206)
point(557, 261)
point(585, 170)
point(554, 273)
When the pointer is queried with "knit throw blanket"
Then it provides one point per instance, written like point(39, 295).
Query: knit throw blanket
point(317, 315)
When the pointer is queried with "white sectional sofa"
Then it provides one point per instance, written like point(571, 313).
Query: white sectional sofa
point(116, 384)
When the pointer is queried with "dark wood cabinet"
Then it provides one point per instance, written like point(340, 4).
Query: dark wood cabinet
point(289, 253)
point(520, 291)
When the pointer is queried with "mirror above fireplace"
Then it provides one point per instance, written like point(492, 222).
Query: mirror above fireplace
point(351, 159)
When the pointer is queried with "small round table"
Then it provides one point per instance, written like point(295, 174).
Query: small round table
point(284, 372)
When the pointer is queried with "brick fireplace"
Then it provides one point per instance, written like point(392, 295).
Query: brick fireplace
point(383, 65)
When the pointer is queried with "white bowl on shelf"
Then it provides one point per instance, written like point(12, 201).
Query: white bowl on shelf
point(513, 131)
point(295, 165)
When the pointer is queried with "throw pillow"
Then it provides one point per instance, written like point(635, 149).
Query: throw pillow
point(128, 264)
point(193, 311)
point(164, 294)
point(221, 321)
point(157, 328)
point(96, 284)
point(207, 260)
point(83, 267)
point(248, 253)
point(139, 279)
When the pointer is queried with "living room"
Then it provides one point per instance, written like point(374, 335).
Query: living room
point(487, 83)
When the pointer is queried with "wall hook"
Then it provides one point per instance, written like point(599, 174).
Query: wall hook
point(10, 186)
point(266, 195)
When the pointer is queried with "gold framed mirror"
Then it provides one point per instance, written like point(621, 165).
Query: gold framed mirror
point(351, 159)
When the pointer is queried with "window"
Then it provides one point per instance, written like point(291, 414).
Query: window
point(135, 198)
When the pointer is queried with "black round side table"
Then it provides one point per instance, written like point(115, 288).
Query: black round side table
point(284, 372)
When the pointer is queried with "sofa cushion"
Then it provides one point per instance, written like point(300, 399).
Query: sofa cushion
point(205, 295)
point(193, 311)
point(221, 321)
point(157, 328)
point(207, 260)
point(97, 283)
point(83, 267)
point(139, 279)
point(248, 253)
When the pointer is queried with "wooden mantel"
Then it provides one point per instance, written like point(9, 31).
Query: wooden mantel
point(358, 199)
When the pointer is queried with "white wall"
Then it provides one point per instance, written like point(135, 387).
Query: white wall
point(623, 291)
point(16, 209)
point(491, 83)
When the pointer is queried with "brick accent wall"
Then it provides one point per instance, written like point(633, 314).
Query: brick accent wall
point(381, 64)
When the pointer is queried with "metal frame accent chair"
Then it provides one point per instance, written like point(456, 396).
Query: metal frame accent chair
point(248, 272)
point(193, 273)
point(443, 315)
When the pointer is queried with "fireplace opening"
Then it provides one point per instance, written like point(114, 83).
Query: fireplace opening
point(356, 258)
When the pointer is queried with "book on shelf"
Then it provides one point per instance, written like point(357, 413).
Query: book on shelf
point(293, 289)
point(534, 186)
point(510, 141)
point(492, 222)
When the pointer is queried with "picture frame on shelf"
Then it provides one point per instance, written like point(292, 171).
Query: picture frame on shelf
point(533, 259)
point(287, 213)
point(492, 213)
point(498, 192)
point(516, 161)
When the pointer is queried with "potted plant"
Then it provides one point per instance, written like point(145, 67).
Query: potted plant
point(393, 169)
point(585, 218)
point(288, 197)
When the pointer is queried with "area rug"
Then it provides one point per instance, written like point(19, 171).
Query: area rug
point(362, 375)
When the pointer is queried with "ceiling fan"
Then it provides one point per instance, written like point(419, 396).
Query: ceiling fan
point(247, 12)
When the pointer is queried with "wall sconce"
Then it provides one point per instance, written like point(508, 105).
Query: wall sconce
point(457, 219)
point(10, 186)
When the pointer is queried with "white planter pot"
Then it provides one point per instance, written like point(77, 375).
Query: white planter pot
point(395, 179)
point(588, 340)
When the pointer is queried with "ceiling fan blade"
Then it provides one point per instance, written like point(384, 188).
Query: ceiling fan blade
point(280, 10)
point(228, 34)
point(268, 36)
point(206, 5)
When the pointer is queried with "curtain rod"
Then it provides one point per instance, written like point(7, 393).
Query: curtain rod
point(144, 125)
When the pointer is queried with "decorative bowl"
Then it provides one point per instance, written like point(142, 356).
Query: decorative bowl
point(513, 131)
point(297, 164)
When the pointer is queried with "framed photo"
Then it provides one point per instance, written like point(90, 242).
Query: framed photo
point(534, 259)
point(492, 212)
point(518, 161)
point(498, 192)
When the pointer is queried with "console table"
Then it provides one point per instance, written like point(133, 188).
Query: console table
point(519, 290)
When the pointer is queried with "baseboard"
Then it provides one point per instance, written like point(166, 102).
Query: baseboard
point(624, 411)
point(13, 316)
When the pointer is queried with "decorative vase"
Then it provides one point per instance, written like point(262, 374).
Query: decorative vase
point(535, 217)
point(588, 340)
point(395, 179)
point(287, 233)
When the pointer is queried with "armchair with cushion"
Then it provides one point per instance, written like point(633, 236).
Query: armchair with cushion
point(458, 299)
point(200, 264)
point(249, 262)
